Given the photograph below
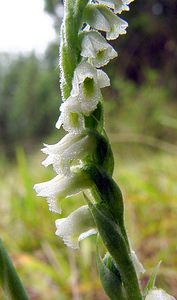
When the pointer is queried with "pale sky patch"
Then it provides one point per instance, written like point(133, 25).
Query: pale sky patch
point(24, 26)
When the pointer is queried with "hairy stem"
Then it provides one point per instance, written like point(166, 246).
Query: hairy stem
point(69, 49)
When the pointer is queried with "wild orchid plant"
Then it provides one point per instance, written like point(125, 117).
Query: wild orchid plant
point(83, 158)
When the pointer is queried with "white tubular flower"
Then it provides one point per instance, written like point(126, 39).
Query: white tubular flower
point(62, 187)
point(76, 227)
point(137, 264)
point(68, 152)
point(96, 49)
point(86, 83)
point(158, 294)
point(102, 18)
point(71, 117)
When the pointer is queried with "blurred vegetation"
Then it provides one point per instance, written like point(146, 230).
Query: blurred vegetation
point(29, 99)
point(141, 121)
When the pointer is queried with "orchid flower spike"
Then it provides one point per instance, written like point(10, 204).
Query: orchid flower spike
point(83, 158)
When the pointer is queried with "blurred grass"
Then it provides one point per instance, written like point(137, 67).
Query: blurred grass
point(48, 269)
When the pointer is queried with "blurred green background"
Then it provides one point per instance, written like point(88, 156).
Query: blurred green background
point(140, 115)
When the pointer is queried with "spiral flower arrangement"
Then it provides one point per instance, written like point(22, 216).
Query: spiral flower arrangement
point(83, 159)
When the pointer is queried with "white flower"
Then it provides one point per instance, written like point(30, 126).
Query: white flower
point(62, 187)
point(71, 116)
point(137, 264)
point(117, 5)
point(86, 84)
point(158, 294)
point(96, 48)
point(68, 152)
point(76, 227)
point(102, 18)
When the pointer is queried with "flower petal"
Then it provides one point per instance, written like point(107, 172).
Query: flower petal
point(51, 187)
point(71, 116)
point(53, 205)
point(83, 71)
point(103, 79)
point(62, 145)
point(89, 96)
point(96, 19)
point(63, 187)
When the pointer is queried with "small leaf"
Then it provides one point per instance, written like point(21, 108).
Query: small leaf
point(152, 279)
point(9, 279)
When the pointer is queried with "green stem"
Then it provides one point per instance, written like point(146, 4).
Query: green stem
point(9, 278)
